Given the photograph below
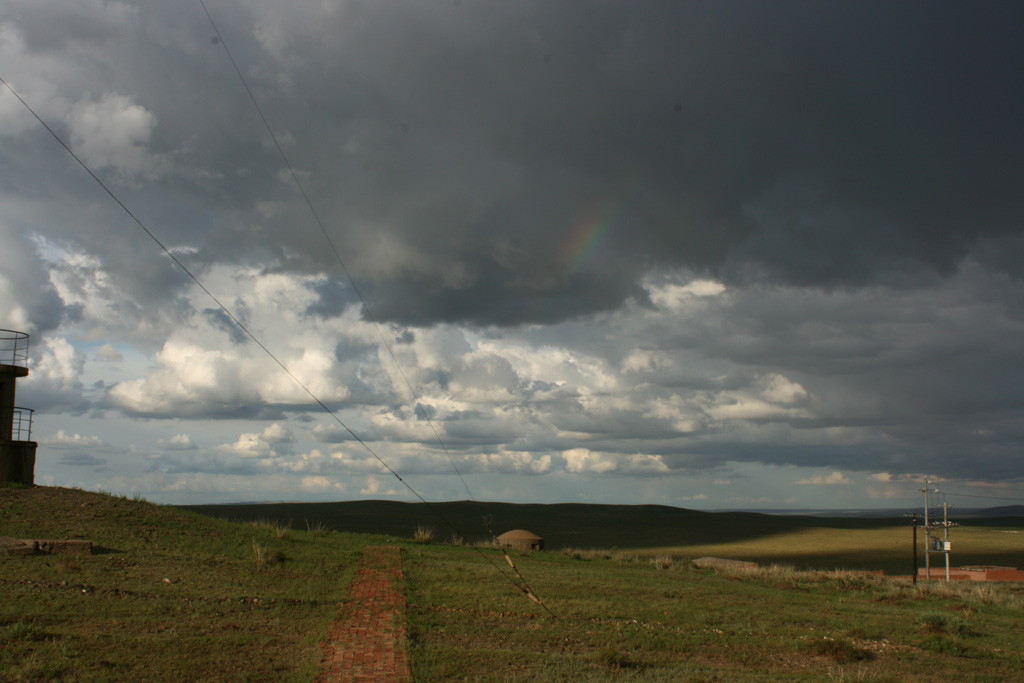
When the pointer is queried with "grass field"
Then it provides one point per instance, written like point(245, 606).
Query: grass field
point(805, 542)
point(170, 596)
point(175, 596)
point(659, 620)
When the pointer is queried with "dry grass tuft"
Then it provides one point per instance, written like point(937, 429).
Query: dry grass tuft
point(587, 553)
point(990, 594)
point(281, 529)
point(423, 534)
point(317, 528)
point(264, 557)
point(663, 562)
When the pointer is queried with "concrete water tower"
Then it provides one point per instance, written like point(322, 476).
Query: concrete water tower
point(17, 450)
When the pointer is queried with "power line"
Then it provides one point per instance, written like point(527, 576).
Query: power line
point(987, 487)
point(203, 287)
point(521, 584)
point(334, 249)
point(978, 495)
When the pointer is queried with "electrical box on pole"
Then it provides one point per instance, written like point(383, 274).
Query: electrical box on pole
point(933, 543)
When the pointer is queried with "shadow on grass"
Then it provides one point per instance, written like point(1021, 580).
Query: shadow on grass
point(561, 525)
point(103, 550)
point(623, 527)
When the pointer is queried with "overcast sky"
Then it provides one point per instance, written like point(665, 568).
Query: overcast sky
point(715, 255)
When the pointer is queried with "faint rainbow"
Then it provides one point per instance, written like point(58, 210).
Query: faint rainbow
point(591, 232)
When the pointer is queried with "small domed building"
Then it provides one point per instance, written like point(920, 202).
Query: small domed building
point(521, 539)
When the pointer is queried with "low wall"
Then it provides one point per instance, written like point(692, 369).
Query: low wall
point(973, 574)
point(30, 546)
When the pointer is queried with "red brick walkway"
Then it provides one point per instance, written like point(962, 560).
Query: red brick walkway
point(367, 642)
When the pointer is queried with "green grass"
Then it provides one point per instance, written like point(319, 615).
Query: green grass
point(170, 596)
point(629, 617)
point(174, 596)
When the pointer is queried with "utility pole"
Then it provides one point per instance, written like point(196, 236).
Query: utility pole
point(932, 544)
point(913, 544)
point(946, 544)
point(927, 556)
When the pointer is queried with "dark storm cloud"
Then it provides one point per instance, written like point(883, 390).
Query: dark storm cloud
point(819, 144)
point(836, 184)
point(332, 300)
point(528, 162)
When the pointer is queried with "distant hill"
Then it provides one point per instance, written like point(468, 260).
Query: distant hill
point(1000, 511)
point(561, 524)
point(577, 524)
point(896, 513)
point(875, 513)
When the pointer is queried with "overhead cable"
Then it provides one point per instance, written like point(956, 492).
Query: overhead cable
point(519, 583)
point(334, 249)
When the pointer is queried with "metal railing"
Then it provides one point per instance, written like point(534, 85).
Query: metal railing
point(21, 424)
point(14, 348)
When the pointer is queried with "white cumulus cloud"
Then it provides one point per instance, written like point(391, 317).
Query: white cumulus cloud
point(63, 440)
point(108, 353)
point(178, 442)
point(585, 461)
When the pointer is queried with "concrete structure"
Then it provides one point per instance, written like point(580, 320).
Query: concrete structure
point(521, 540)
point(979, 573)
point(32, 546)
point(17, 450)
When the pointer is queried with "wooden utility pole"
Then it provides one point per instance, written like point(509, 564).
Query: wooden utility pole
point(913, 544)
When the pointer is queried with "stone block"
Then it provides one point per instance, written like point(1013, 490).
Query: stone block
point(27, 546)
point(67, 547)
point(15, 546)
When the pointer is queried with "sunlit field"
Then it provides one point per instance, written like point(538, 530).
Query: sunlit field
point(174, 596)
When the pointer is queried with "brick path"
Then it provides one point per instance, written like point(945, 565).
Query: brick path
point(367, 642)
